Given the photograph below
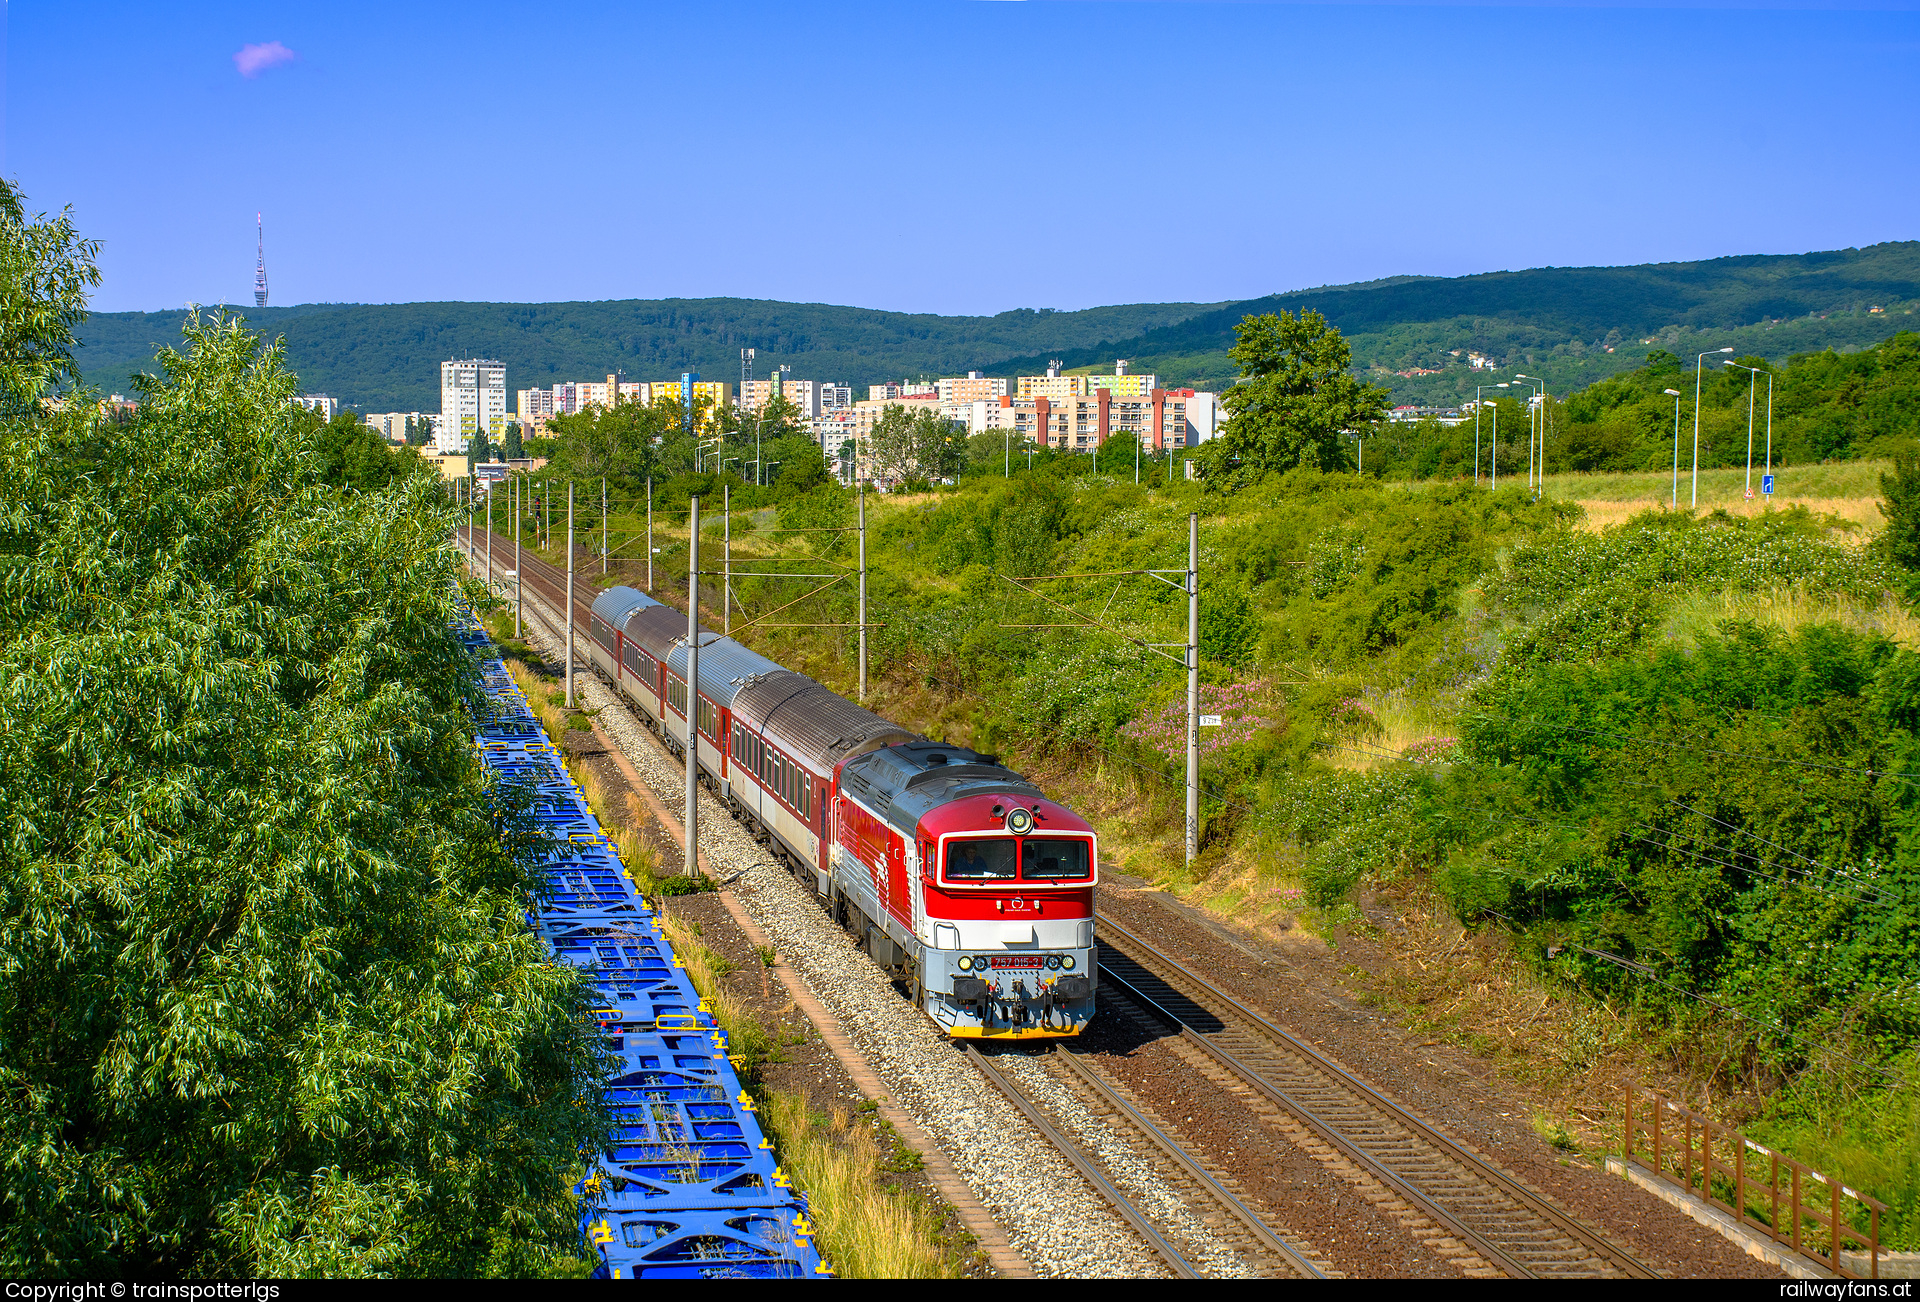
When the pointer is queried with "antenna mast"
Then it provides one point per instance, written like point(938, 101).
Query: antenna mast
point(260, 268)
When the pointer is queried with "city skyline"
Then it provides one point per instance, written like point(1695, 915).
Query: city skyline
point(1293, 146)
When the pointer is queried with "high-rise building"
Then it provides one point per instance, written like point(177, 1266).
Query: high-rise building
point(320, 402)
point(1163, 418)
point(803, 394)
point(473, 396)
point(904, 389)
point(974, 388)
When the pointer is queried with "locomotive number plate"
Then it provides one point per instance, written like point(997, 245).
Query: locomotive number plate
point(1016, 960)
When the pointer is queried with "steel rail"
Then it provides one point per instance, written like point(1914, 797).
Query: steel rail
point(1184, 1160)
point(1393, 1111)
point(1181, 1267)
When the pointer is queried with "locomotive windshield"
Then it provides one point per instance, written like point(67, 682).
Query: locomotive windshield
point(980, 860)
point(1047, 860)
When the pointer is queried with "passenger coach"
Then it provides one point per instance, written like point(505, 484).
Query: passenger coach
point(955, 872)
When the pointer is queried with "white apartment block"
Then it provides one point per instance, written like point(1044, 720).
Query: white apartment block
point(833, 430)
point(904, 389)
point(320, 402)
point(803, 394)
point(393, 424)
point(973, 388)
point(835, 397)
point(473, 396)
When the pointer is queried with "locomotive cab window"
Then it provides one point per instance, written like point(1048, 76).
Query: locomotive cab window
point(978, 859)
point(1045, 859)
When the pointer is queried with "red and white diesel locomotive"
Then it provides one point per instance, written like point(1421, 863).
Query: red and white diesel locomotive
point(954, 871)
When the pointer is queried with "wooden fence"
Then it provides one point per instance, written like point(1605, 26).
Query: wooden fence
point(1790, 1203)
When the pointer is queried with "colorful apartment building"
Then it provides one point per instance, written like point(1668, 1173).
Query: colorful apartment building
point(1163, 418)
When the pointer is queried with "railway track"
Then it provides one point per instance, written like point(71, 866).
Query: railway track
point(1493, 1214)
point(1199, 1190)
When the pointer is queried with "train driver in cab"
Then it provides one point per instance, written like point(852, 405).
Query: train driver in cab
point(968, 861)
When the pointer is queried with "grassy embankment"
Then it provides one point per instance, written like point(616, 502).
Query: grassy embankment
point(864, 1229)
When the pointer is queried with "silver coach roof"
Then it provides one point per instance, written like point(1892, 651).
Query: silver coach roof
point(614, 605)
point(814, 725)
point(725, 666)
point(656, 629)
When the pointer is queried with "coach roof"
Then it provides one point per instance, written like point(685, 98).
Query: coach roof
point(814, 725)
point(725, 667)
point(613, 606)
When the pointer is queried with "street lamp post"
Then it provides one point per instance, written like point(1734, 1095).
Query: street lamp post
point(1673, 503)
point(1493, 454)
point(1537, 465)
point(1699, 364)
point(1478, 389)
point(1753, 384)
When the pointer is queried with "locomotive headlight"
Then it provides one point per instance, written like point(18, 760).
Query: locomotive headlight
point(1067, 962)
point(1019, 821)
point(966, 963)
point(1053, 961)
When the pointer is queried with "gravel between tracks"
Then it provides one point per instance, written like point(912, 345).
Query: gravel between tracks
point(1048, 1212)
point(1135, 1176)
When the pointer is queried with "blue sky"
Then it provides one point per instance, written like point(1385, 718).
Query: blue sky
point(945, 155)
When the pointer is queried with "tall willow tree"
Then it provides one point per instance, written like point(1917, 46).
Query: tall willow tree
point(267, 1001)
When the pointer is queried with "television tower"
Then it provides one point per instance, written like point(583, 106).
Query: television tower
point(260, 268)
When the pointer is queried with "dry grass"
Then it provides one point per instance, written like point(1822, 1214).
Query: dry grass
point(1847, 490)
point(864, 1229)
point(1790, 609)
point(1860, 512)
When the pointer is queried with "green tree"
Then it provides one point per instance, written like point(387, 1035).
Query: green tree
point(914, 445)
point(617, 442)
point(1901, 506)
point(46, 270)
point(419, 432)
point(480, 450)
point(514, 449)
point(802, 468)
point(269, 1003)
point(1295, 401)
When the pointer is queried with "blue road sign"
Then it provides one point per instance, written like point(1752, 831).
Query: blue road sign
point(1766, 484)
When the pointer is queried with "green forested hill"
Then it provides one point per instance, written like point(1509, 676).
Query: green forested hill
point(387, 357)
point(1557, 322)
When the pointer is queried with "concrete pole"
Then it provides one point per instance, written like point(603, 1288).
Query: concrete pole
point(569, 594)
point(649, 533)
point(603, 526)
point(1753, 383)
point(490, 527)
point(692, 852)
point(519, 592)
point(726, 563)
point(1193, 687)
point(863, 592)
point(1673, 503)
point(1699, 364)
point(1542, 489)
point(1476, 433)
point(1493, 457)
point(1769, 469)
